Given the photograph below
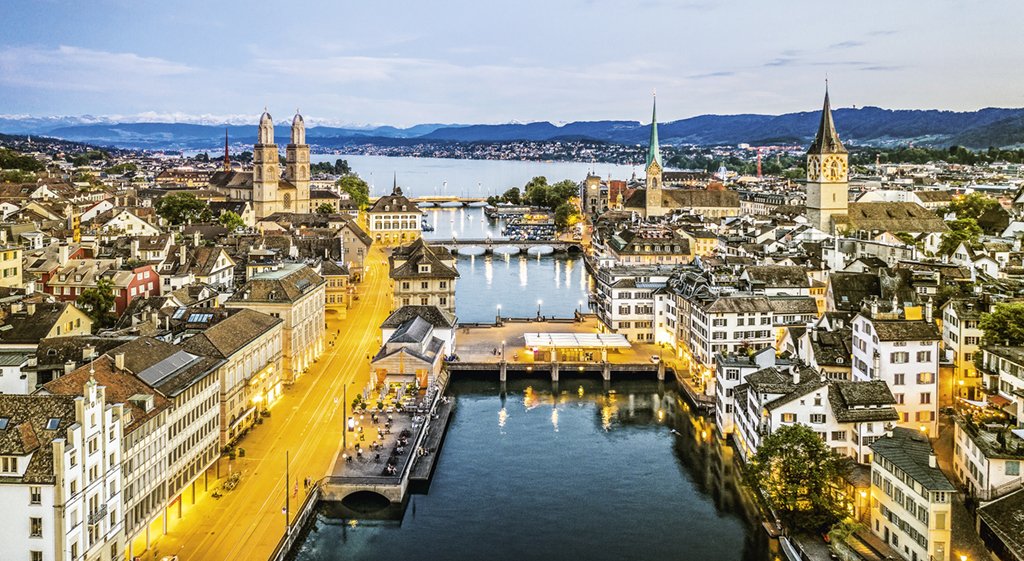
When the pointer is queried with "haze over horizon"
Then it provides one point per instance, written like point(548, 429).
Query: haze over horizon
point(470, 62)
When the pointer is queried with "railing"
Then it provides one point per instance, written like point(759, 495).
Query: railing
point(294, 530)
point(98, 514)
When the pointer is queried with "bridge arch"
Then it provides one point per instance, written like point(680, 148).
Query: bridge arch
point(366, 502)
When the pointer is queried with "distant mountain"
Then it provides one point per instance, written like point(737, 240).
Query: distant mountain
point(863, 126)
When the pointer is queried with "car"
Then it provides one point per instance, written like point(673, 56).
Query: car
point(655, 359)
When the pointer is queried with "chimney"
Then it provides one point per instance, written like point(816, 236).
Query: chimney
point(88, 351)
point(30, 308)
point(796, 374)
point(119, 361)
point(62, 254)
point(814, 335)
point(135, 248)
point(182, 255)
point(928, 310)
point(888, 430)
point(69, 367)
point(874, 308)
point(196, 239)
point(932, 461)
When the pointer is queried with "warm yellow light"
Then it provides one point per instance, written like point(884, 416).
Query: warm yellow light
point(924, 428)
point(257, 398)
point(961, 382)
point(863, 494)
point(703, 434)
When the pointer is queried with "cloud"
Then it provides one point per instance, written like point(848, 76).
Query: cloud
point(79, 69)
point(719, 74)
point(846, 45)
point(882, 32)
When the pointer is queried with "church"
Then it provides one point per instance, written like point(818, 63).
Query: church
point(265, 188)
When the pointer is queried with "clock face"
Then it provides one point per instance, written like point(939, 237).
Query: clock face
point(834, 169)
point(813, 168)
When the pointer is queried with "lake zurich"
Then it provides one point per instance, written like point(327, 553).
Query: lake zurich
point(577, 473)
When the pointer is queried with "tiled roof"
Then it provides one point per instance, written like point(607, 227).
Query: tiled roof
point(30, 329)
point(909, 450)
point(227, 337)
point(862, 401)
point(287, 284)
point(1006, 519)
point(432, 314)
point(778, 276)
point(893, 217)
point(906, 330)
point(27, 432)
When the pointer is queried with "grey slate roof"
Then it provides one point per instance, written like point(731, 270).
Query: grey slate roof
point(1005, 517)
point(862, 401)
point(432, 314)
point(908, 450)
point(227, 337)
point(906, 330)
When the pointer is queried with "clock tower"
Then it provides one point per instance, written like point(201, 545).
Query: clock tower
point(827, 174)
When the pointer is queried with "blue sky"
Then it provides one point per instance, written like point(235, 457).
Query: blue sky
point(486, 61)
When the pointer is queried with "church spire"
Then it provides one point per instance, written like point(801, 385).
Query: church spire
point(227, 158)
point(827, 140)
point(653, 151)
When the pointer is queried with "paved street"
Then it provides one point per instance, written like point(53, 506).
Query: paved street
point(247, 523)
point(965, 538)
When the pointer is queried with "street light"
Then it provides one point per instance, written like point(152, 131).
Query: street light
point(502, 350)
point(498, 318)
point(539, 302)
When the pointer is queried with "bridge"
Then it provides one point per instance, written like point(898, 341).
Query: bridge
point(449, 200)
point(486, 246)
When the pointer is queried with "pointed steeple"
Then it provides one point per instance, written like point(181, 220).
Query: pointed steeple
point(827, 140)
point(653, 151)
point(395, 190)
point(227, 158)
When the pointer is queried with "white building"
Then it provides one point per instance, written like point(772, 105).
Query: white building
point(726, 324)
point(901, 348)
point(731, 370)
point(960, 338)
point(60, 477)
point(1003, 368)
point(910, 497)
point(987, 459)
point(629, 301)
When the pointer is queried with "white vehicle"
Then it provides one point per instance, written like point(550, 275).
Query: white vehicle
point(655, 359)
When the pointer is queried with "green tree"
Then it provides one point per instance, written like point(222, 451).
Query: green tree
point(97, 302)
point(971, 206)
point(325, 208)
point(356, 188)
point(16, 176)
point(960, 230)
point(537, 191)
point(513, 196)
point(182, 208)
point(11, 160)
point(1004, 325)
point(122, 168)
point(798, 474)
point(566, 215)
point(231, 220)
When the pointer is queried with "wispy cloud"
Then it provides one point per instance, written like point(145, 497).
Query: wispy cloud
point(719, 74)
point(79, 69)
point(846, 45)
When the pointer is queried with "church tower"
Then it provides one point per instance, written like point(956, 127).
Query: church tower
point(652, 181)
point(827, 174)
point(297, 164)
point(265, 169)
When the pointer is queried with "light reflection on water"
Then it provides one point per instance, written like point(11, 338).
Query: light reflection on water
point(517, 282)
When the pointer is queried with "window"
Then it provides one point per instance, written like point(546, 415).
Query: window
point(4, 422)
point(35, 495)
point(925, 378)
point(899, 379)
point(8, 464)
point(899, 358)
point(926, 398)
point(52, 423)
point(35, 556)
point(1013, 467)
point(899, 398)
point(789, 417)
point(817, 401)
point(35, 527)
point(817, 418)
point(924, 356)
point(839, 435)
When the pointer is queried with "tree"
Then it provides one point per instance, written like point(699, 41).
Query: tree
point(537, 191)
point(356, 188)
point(97, 301)
point(513, 196)
point(1004, 325)
point(231, 220)
point(960, 230)
point(182, 208)
point(798, 475)
point(566, 215)
point(971, 206)
point(324, 208)
point(122, 168)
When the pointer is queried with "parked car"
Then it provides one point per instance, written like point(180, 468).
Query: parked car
point(655, 359)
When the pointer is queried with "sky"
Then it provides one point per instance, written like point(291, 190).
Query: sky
point(404, 62)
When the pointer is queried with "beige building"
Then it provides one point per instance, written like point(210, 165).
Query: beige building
point(10, 267)
point(394, 220)
point(339, 292)
point(250, 343)
point(423, 276)
point(294, 293)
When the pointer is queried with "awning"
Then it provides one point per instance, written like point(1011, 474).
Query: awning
point(973, 403)
point(998, 400)
point(576, 340)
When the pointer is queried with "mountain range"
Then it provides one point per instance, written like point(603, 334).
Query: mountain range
point(871, 126)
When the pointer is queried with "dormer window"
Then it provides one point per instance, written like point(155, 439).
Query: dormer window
point(424, 268)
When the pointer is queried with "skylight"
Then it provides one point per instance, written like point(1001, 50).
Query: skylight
point(53, 423)
point(3, 422)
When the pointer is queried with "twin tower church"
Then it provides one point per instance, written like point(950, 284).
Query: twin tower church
point(265, 187)
point(827, 177)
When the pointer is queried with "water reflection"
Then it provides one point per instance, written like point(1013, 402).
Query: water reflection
point(587, 472)
point(517, 282)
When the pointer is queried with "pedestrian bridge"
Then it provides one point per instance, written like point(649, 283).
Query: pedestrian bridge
point(488, 246)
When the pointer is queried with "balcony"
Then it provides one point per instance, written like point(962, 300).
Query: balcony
point(98, 515)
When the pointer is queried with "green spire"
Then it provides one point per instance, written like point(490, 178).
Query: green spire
point(653, 153)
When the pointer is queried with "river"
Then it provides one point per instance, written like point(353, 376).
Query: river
point(577, 474)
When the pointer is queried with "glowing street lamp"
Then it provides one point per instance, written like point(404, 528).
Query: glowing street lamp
point(539, 302)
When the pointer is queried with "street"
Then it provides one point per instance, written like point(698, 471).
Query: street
point(248, 522)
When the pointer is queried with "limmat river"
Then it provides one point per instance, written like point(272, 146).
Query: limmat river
point(576, 473)
point(465, 178)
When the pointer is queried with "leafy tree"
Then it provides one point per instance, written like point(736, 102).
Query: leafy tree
point(122, 168)
point(1004, 325)
point(97, 301)
point(960, 230)
point(566, 215)
point(798, 474)
point(16, 176)
point(513, 196)
point(182, 208)
point(324, 208)
point(11, 160)
point(231, 220)
point(971, 206)
point(356, 188)
point(339, 167)
point(537, 191)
